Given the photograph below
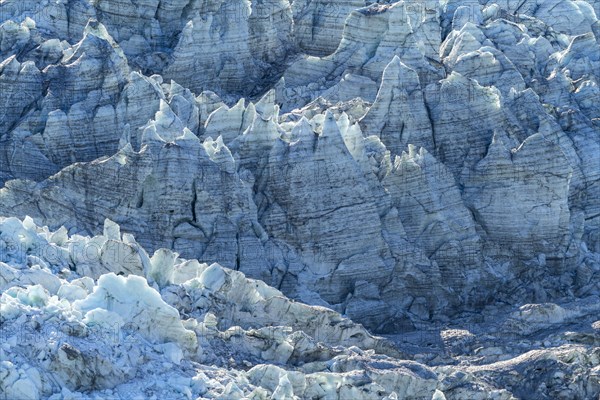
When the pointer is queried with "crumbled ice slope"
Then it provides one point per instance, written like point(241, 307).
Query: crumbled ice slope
point(428, 169)
point(183, 329)
point(68, 336)
point(210, 332)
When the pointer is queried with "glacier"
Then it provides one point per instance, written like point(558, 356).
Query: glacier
point(300, 199)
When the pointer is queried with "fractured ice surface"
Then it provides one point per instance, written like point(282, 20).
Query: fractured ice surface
point(411, 166)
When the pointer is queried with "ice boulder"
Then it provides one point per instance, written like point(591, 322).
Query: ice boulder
point(140, 307)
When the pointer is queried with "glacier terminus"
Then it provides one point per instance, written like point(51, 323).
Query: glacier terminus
point(299, 199)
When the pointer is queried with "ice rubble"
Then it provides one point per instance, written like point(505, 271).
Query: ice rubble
point(204, 330)
point(103, 336)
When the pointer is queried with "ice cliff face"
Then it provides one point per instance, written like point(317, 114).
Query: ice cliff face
point(404, 164)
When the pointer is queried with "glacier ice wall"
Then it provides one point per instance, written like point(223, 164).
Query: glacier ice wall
point(404, 164)
point(445, 148)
